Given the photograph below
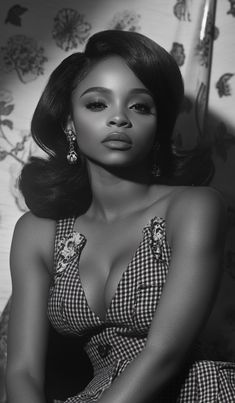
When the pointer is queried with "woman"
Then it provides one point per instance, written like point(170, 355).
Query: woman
point(137, 261)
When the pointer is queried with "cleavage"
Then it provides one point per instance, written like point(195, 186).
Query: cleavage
point(103, 262)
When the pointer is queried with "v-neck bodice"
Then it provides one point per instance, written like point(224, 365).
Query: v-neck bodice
point(68, 248)
point(113, 342)
point(73, 245)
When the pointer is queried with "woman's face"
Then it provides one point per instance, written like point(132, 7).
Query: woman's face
point(114, 115)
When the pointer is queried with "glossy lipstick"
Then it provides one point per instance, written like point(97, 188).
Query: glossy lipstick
point(117, 141)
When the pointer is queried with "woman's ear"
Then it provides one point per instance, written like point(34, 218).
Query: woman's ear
point(69, 125)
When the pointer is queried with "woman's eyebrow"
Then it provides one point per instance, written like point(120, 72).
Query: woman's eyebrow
point(109, 91)
point(96, 89)
point(141, 91)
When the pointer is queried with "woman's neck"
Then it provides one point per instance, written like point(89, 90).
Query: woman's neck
point(117, 194)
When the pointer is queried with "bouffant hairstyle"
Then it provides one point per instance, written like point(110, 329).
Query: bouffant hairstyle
point(54, 189)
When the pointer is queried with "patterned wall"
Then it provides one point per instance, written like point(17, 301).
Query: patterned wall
point(37, 35)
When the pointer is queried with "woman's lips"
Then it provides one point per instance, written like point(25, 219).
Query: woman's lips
point(117, 136)
point(117, 144)
point(117, 141)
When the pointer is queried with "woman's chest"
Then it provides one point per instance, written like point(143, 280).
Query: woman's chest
point(104, 259)
point(136, 287)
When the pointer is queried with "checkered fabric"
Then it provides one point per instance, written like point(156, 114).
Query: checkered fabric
point(114, 342)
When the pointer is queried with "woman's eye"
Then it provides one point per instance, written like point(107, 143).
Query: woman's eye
point(96, 106)
point(141, 108)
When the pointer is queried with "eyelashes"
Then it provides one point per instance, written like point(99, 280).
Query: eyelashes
point(139, 107)
point(96, 106)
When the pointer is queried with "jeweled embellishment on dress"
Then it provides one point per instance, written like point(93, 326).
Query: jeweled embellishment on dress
point(157, 231)
point(69, 248)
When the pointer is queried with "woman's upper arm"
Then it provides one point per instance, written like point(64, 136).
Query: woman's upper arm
point(197, 222)
point(31, 253)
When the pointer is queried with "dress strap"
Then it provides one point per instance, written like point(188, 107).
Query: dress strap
point(64, 227)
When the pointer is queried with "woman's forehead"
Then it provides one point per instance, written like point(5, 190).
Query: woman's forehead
point(111, 74)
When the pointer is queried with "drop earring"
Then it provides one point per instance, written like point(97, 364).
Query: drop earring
point(72, 156)
point(155, 171)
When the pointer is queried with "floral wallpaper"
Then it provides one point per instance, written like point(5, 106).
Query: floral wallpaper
point(36, 36)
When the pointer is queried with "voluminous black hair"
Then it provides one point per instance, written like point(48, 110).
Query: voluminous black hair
point(52, 188)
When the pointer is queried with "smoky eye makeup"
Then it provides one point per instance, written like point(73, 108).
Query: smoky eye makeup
point(143, 105)
point(98, 99)
point(95, 103)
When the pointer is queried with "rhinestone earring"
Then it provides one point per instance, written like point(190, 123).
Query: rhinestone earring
point(72, 156)
point(155, 171)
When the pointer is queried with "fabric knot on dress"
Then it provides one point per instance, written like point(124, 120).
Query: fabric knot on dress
point(157, 235)
point(69, 248)
point(101, 382)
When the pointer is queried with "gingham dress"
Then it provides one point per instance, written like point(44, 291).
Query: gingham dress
point(114, 342)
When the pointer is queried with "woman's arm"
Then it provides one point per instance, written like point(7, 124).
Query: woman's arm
point(31, 258)
point(196, 230)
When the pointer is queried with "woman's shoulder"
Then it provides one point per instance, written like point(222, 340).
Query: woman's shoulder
point(35, 234)
point(34, 226)
point(183, 199)
point(176, 199)
point(194, 206)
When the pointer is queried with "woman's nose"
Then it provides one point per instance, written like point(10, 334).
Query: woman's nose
point(119, 120)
